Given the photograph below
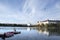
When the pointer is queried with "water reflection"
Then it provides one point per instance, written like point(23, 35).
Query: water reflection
point(28, 29)
point(54, 32)
point(44, 30)
point(50, 32)
point(32, 33)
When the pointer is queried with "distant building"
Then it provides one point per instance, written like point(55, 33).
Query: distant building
point(48, 22)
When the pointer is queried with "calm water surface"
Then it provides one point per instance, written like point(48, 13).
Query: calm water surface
point(28, 34)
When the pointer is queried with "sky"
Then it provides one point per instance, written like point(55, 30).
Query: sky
point(28, 11)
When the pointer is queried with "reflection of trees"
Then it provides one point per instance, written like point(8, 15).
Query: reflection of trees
point(52, 28)
point(54, 31)
point(42, 27)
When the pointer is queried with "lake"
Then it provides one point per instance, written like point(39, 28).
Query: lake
point(28, 33)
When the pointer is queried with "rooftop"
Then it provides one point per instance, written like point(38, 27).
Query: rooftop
point(51, 21)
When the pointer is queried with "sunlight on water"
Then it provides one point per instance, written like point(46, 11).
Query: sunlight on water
point(45, 32)
point(28, 29)
point(28, 33)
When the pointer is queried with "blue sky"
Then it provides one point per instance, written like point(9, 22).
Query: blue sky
point(28, 11)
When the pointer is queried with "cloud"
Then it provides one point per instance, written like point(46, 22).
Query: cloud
point(42, 10)
point(29, 11)
point(33, 10)
point(9, 15)
point(57, 5)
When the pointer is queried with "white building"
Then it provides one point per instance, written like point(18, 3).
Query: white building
point(48, 22)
